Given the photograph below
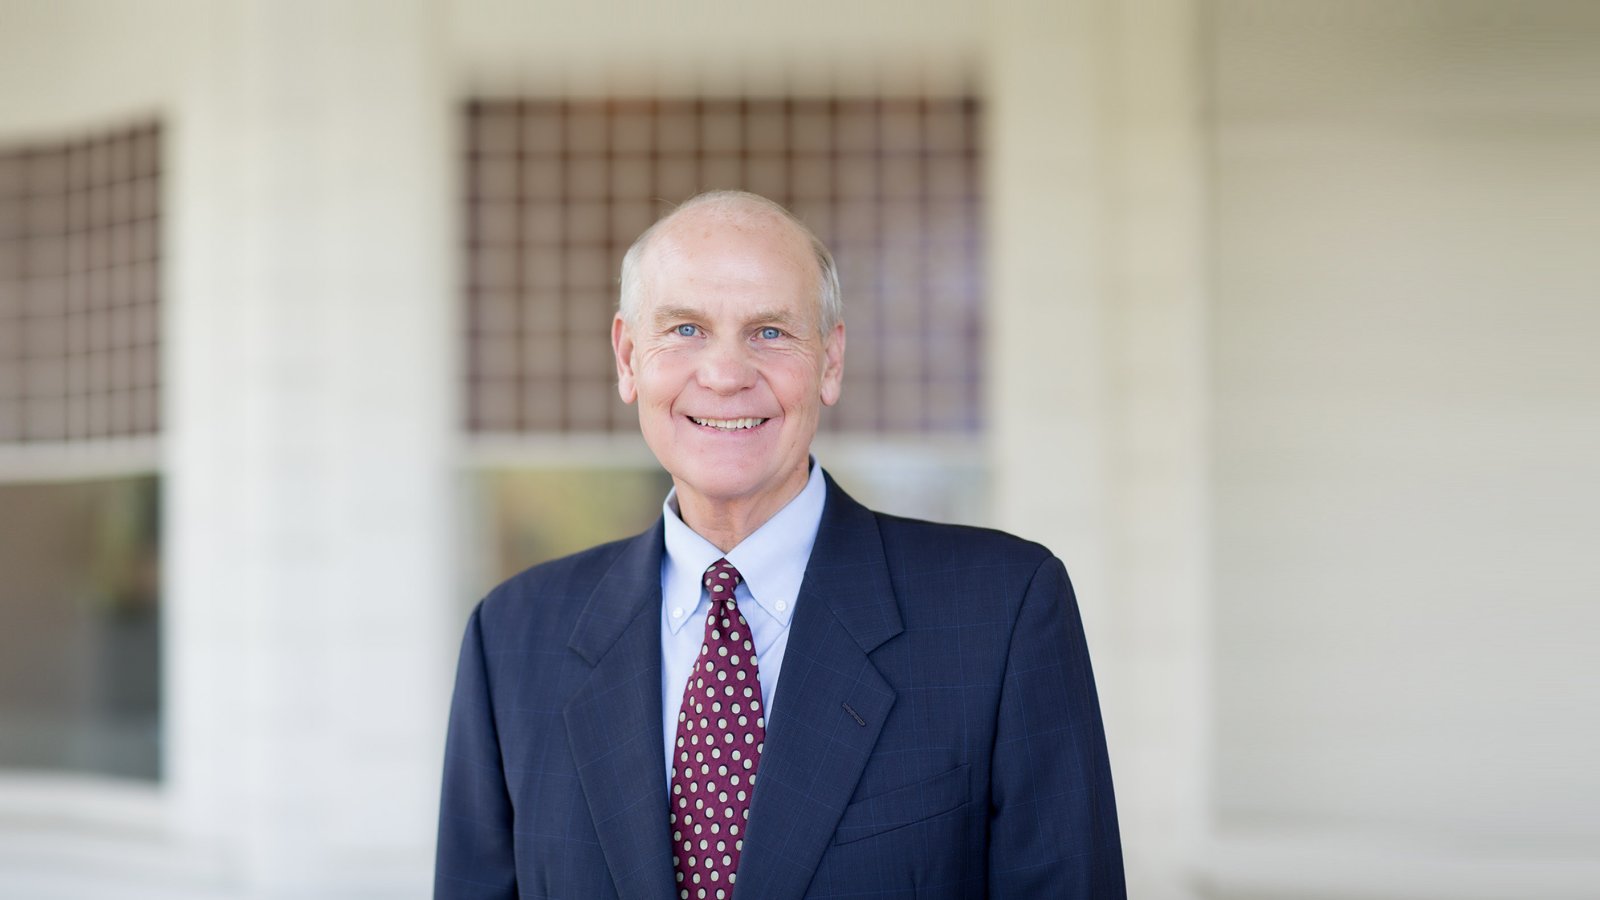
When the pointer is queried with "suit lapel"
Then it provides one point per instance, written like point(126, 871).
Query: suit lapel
point(614, 720)
point(830, 705)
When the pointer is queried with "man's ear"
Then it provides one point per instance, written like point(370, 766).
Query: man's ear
point(833, 365)
point(622, 349)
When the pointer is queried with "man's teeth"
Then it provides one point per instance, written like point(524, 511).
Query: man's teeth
point(728, 424)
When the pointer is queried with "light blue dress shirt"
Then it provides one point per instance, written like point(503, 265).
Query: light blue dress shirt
point(772, 561)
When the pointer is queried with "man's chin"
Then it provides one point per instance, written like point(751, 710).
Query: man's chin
point(732, 490)
point(719, 490)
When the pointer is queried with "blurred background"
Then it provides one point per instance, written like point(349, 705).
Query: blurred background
point(1277, 321)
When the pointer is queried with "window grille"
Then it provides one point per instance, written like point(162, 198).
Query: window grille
point(556, 190)
point(80, 287)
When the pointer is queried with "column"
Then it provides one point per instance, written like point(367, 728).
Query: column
point(310, 419)
point(1097, 374)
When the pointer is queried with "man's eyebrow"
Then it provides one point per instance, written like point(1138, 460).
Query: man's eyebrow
point(675, 313)
point(777, 316)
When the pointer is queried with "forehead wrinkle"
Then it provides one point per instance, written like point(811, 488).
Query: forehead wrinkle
point(675, 262)
point(758, 317)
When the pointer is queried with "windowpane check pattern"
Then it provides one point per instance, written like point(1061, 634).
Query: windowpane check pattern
point(556, 190)
point(80, 254)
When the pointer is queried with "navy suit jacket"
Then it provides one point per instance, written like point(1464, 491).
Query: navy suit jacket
point(935, 731)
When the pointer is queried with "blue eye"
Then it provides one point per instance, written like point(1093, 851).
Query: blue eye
point(770, 333)
point(687, 330)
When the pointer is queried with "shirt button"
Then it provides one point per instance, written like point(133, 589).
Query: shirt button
point(677, 612)
point(781, 605)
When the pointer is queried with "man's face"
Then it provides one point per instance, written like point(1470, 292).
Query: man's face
point(725, 358)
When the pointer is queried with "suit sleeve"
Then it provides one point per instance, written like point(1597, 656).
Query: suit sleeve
point(1053, 818)
point(475, 860)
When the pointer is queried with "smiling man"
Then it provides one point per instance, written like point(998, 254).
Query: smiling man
point(618, 727)
point(729, 340)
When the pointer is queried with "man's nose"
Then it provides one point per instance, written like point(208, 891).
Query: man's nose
point(727, 367)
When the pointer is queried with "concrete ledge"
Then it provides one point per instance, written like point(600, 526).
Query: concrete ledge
point(1335, 866)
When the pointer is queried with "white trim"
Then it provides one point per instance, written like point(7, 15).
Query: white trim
point(901, 450)
point(67, 835)
point(596, 450)
point(1340, 866)
point(628, 450)
point(79, 460)
point(56, 798)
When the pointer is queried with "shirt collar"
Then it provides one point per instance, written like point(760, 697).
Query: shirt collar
point(772, 560)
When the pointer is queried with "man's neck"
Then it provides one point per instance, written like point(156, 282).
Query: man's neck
point(725, 524)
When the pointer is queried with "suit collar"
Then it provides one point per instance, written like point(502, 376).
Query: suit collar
point(831, 705)
point(849, 574)
point(614, 720)
point(629, 588)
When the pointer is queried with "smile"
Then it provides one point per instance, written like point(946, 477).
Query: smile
point(728, 424)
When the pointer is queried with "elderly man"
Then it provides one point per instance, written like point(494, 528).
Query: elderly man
point(774, 692)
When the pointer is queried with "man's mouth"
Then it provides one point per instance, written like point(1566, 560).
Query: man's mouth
point(728, 424)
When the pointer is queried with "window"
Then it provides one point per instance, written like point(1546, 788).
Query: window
point(557, 190)
point(80, 254)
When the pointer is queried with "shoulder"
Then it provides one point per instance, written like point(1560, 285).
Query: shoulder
point(957, 544)
point(978, 571)
point(553, 592)
point(937, 554)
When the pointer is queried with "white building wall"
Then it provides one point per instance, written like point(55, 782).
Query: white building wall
point(1407, 306)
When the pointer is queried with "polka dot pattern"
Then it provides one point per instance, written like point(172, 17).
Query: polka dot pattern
point(721, 730)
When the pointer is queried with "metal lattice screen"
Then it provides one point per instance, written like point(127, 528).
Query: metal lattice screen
point(556, 191)
point(80, 255)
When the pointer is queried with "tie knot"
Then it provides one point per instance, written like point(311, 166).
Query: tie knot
point(721, 578)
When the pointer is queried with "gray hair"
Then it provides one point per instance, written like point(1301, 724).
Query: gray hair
point(828, 302)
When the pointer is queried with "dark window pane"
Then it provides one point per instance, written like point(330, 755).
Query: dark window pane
point(528, 516)
point(80, 650)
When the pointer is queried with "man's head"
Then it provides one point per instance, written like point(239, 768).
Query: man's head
point(829, 300)
point(729, 339)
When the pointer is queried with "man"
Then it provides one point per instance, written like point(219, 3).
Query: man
point(620, 727)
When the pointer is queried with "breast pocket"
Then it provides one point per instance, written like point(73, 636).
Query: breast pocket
point(904, 806)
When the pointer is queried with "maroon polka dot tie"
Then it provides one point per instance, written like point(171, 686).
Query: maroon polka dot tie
point(721, 729)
